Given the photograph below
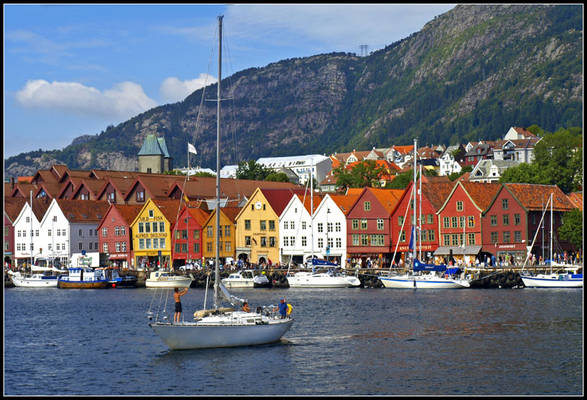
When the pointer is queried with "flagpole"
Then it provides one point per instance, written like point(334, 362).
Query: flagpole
point(188, 172)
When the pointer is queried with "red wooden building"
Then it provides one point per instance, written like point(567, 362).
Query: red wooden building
point(460, 221)
point(187, 235)
point(513, 218)
point(433, 196)
point(369, 226)
point(114, 234)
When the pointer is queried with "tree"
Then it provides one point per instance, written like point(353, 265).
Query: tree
point(252, 170)
point(277, 177)
point(401, 181)
point(572, 229)
point(363, 174)
point(455, 175)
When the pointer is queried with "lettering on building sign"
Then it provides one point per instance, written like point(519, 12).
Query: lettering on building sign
point(150, 235)
point(506, 246)
point(147, 219)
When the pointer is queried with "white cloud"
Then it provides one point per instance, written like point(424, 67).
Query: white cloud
point(123, 101)
point(173, 90)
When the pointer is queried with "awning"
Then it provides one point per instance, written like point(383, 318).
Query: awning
point(457, 250)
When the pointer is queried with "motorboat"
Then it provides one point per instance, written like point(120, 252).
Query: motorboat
point(245, 279)
point(83, 278)
point(116, 280)
point(332, 278)
point(33, 280)
point(429, 280)
point(221, 326)
point(165, 279)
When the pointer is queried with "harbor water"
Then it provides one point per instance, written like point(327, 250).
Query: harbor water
point(343, 342)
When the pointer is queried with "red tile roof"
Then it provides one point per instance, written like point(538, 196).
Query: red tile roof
point(309, 201)
point(387, 197)
point(169, 208)
point(202, 187)
point(279, 198)
point(534, 197)
point(577, 199)
point(344, 202)
point(481, 193)
point(201, 216)
point(83, 211)
point(437, 192)
point(13, 206)
point(128, 211)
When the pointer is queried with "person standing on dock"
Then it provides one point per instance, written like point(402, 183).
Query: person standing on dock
point(177, 297)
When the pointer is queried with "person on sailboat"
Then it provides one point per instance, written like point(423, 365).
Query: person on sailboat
point(282, 308)
point(246, 307)
point(177, 297)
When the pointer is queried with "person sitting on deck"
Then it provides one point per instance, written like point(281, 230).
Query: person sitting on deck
point(246, 307)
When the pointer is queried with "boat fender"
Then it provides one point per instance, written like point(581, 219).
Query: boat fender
point(289, 309)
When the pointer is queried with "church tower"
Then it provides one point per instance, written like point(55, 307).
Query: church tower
point(154, 157)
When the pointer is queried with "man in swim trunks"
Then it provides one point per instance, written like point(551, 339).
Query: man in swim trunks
point(176, 296)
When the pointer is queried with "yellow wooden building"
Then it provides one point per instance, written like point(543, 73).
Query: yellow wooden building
point(227, 235)
point(257, 225)
point(151, 233)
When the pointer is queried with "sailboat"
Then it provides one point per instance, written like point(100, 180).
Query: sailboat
point(332, 278)
point(222, 326)
point(553, 279)
point(423, 276)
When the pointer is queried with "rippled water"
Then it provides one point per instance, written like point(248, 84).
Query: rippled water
point(343, 341)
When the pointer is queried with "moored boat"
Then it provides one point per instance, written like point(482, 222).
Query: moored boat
point(245, 279)
point(164, 279)
point(33, 280)
point(116, 280)
point(83, 278)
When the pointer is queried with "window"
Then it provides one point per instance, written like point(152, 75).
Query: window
point(517, 219)
point(424, 235)
point(338, 243)
point(122, 231)
point(28, 219)
point(117, 246)
point(116, 231)
point(271, 241)
point(446, 222)
point(292, 240)
point(285, 241)
point(471, 238)
point(263, 225)
point(227, 247)
point(364, 224)
point(320, 243)
point(304, 225)
point(355, 224)
point(330, 226)
point(431, 236)
point(355, 240)
point(196, 248)
point(459, 206)
point(320, 227)
point(493, 219)
point(147, 227)
point(196, 234)
point(462, 222)
point(209, 247)
point(141, 228)
point(247, 241)
point(518, 236)
point(112, 197)
point(506, 219)
point(285, 225)
point(141, 195)
point(292, 225)
point(123, 246)
point(506, 237)
point(154, 227)
point(247, 224)
point(380, 224)
point(148, 243)
point(90, 244)
point(226, 230)
point(184, 233)
point(455, 222)
point(402, 236)
point(177, 248)
point(504, 204)
point(304, 241)
point(263, 241)
point(151, 214)
point(105, 247)
point(364, 240)
point(90, 231)
point(272, 225)
point(80, 245)
point(377, 240)
point(155, 243)
point(430, 219)
point(367, 206)
point(55, 218)
point(337, 226)
point(79, 232)
point(162, 227)
point(400, 220)
point(471, 221)
point(209, 231)
point(184, 247)
point(494, 237)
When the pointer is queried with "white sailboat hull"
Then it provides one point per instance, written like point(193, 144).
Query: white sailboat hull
point(35, 281)
point(422, 282)
point(308, 280)
point(552, 281)
point(211, 334)
point(165, 280)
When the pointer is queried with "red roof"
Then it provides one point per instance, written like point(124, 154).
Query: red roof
point(344, 202)
point(534, 197)
point(481, 193)
point(577, 199)
point(13, 206)
point(83, 211)
point(279, 198)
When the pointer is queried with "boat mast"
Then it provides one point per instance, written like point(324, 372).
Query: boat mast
point(31, 224)
point(217, 270)
point(414, 209)
point(312, 209)
point(551, 232)
point(420, 218)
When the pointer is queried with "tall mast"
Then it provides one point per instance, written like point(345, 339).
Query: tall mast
point(414, 209)
point(312, 208)
point(551, 232)
point(31, 224)
point(420, 218)
point(217, 270)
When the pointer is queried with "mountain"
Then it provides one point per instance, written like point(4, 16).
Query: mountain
point(469, 74)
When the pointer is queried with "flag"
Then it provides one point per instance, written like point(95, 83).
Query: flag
point(411, 246)
point(191, 149)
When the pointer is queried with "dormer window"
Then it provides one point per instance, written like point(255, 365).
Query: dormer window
point(141, 195)
point(112, 197)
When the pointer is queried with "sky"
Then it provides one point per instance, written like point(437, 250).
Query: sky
point(72, 70)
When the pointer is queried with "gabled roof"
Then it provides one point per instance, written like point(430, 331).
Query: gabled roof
point(52, 189)
point(121, 185)
point(83, 211)
point(94, 187)
point(44, 175)
point(128, 211)
point(308, 202)
point(404, 149)
point(106, 174)
point(13, 206)
point(202, 187)
point(201, 216)
point(163, 147)
point(279, 198)
point(534, 197)
point(576, 198)
point(59, 170)
point(169, 208)
point(437, 192)
point(344, 202)
point(482, 194)
point(388, 198)
point(158, 186)
point(23, 189)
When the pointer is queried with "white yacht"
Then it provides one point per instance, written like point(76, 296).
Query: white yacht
point(164, 279)
point(245, 279)
point(33, 280)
